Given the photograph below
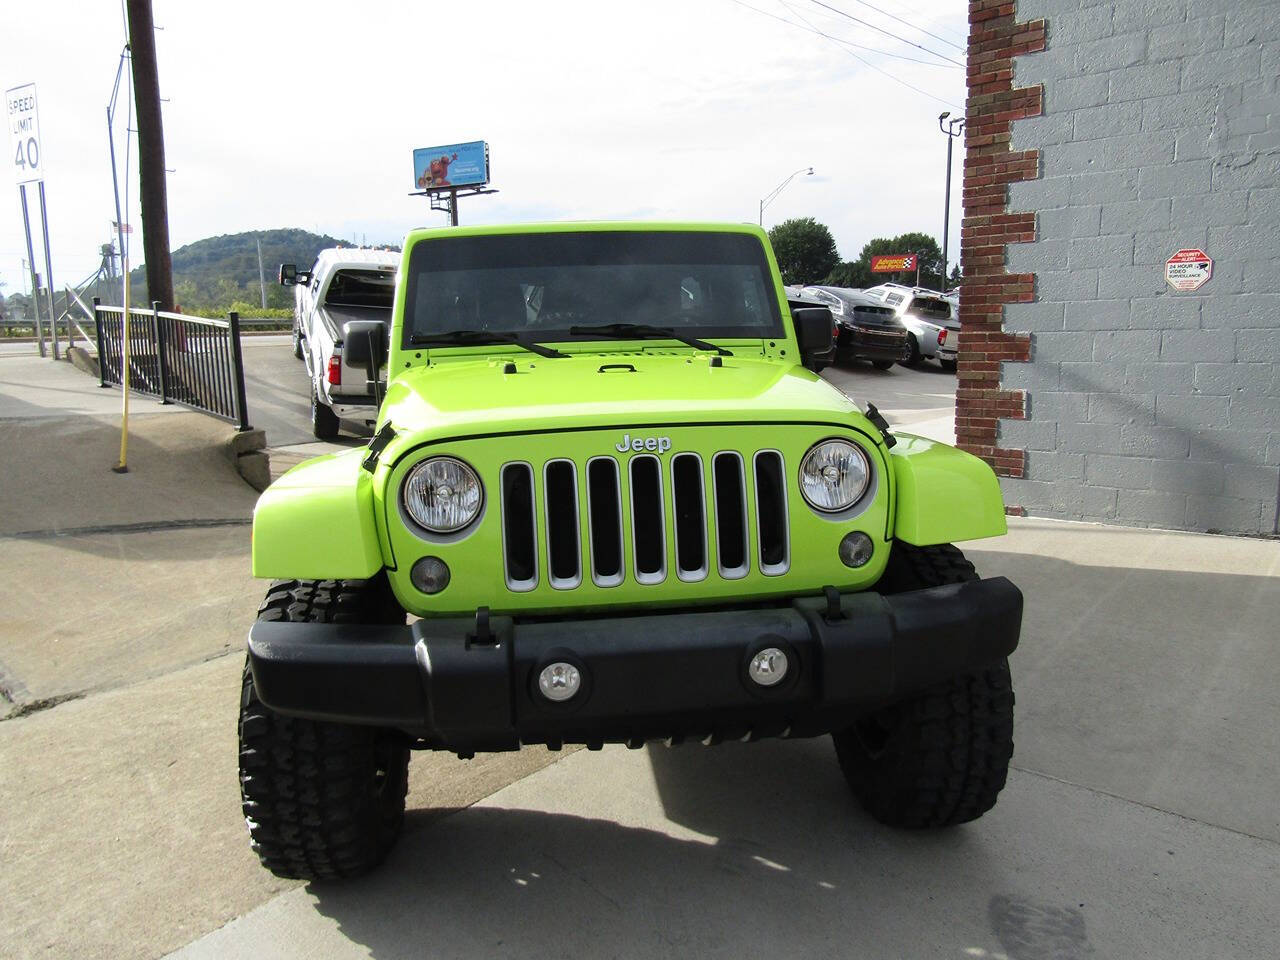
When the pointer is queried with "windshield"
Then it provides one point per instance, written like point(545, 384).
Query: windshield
point(930, 308)
point(540, 285)
point(361, 288)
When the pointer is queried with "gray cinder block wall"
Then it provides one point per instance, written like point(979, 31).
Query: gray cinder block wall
point(1160, 130)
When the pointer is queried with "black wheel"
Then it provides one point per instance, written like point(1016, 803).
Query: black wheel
point(322, 800)
point(297, 341)
point(882, 364)
point(948, 365)
point(913, 358)
point(324, 422)
point(941, 757)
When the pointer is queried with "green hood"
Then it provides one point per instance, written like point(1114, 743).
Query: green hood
point(467, 396)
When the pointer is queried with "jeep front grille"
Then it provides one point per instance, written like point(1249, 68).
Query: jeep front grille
point(645, 484)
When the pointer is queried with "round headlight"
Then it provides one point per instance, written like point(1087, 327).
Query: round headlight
point(442, 494)
point(834, 474)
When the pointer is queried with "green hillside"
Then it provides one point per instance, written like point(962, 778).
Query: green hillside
point(211, 275)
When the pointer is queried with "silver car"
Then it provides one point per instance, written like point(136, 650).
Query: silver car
point(930, 318)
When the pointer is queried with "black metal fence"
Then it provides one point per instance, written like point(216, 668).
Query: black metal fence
point(192, 361)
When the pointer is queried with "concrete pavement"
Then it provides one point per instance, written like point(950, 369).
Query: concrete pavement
point(758, 851)
point(1139, 822)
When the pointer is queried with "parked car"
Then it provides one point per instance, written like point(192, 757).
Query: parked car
point(344, 284)
point(868, 329)
point(933, 328)
point(621, 506)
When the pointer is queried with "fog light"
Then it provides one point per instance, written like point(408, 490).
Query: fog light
point(768, 667)
point(856, 549)
point(559, 681)
point(430, 575)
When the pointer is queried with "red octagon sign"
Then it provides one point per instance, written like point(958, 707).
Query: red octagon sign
point(1188, 269)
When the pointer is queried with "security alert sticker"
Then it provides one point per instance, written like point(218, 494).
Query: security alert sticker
point(1188, 269)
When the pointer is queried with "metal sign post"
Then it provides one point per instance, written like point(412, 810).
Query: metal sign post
point(48, 275)
point(31, 262)
point(23, 121)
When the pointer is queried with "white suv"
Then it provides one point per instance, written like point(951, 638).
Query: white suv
point(930, 318)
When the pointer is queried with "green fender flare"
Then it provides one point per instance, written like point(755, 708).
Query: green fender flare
point(317, 522)
point(944, 494)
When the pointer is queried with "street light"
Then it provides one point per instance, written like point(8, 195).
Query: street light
point(773, 194)
point(952, 129)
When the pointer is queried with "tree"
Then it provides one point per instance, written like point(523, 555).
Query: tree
point(805, 249)
point(857, 273)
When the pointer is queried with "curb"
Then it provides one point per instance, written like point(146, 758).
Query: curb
point(246, 449)
point(82, 359)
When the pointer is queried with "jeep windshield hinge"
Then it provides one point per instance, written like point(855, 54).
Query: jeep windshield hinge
point(881, 424)
point(376, 446)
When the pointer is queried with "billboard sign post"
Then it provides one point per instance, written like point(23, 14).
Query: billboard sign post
point(445, 171)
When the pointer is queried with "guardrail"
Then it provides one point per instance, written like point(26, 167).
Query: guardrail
point(192, 361)
point(247, 325)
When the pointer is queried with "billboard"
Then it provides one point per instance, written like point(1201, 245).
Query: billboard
point(893, 263)
point(451, 165)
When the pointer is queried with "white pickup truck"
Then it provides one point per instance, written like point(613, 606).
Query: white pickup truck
point(344, 284)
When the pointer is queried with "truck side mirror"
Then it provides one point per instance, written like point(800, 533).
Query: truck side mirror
point(815, 335)
point(363, 341)
point(288, 274)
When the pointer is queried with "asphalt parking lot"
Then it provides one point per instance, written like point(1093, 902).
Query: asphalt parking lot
point(1140, 818)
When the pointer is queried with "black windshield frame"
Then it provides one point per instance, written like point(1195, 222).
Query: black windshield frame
point(735, 257)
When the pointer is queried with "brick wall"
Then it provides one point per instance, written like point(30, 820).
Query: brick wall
point(1153, 125)
point(990, 165)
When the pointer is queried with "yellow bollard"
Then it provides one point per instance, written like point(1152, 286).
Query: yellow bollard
point(123, 465)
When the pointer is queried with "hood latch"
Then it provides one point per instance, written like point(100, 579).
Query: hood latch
point(376, 446)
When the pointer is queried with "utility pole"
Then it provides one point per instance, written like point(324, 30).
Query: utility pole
point(953, 129)
point(151, 169)
point(262, 277)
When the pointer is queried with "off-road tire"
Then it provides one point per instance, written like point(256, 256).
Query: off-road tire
point(948, 365)
point(913, 358)
point(882, 364)
point(321, 800)
point(940, 757)
point(324, 422)
point(297, 341)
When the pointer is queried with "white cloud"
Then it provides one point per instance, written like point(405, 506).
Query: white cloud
point(306, 115)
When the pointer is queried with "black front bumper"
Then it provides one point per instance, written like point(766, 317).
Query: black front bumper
point(663, 676)
point(871, 343)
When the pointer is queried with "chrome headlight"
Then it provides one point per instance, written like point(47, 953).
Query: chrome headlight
point(834, 475)
point(442, 494)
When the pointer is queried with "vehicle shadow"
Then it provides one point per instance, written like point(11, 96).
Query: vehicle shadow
point(782, 863)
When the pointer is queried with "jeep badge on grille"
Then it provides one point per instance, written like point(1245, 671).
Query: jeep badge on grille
point(660, 444)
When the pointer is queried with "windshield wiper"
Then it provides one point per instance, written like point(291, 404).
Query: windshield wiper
point(468, 338)
point(643, 331)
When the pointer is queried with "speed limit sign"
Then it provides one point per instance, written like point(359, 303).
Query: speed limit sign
point(24, 133)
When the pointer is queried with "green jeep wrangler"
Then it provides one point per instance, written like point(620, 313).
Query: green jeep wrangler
point(621, 506)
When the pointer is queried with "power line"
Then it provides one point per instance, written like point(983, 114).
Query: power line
point(880, 69)
point(908, 23)
point(849, 16)
point(848, 43)
point(907, 8)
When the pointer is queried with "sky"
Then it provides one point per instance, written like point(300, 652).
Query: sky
point(306, 115)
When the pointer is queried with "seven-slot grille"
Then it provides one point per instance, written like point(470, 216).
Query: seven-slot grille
point(698, 490)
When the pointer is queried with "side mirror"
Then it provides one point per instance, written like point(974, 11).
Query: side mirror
point(288, 274)
point(815, 335)
point(364, 341)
